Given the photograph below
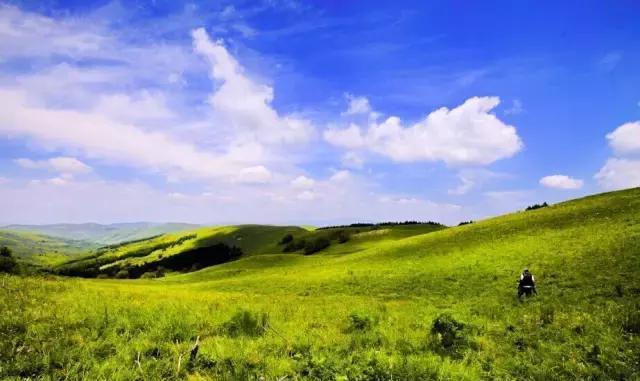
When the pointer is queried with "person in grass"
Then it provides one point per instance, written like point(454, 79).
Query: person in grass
point(526, 284)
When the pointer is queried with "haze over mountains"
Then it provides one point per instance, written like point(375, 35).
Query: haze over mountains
point(102, 234)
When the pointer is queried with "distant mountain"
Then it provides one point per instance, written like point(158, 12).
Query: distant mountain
point(102, 234)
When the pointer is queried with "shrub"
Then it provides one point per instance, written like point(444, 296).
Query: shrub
point(294, 245)
point(122, 274)
point(449, 336)
point(315, 245)
point(537, 206)
point(8, 263)
point(246, 323)
point(286, 239)
point(150, 275)
point(359, 323)
point(343, 236)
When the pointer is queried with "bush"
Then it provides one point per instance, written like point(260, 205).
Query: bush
point(122, 274)
point(449, 336)
point(246, 323)
point(359, 323)
point(8, 263)
point(537, 206)
point(150, 275)
point(315, 245)
point(343, 236)
point(294, 245)
point(286, 239)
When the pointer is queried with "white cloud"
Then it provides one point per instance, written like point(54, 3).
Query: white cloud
point(466, 135)
point(352, 160)
point(60, 164)
point(350, 137)
point(143, 106)
point(610, 60)
point(619, 174)
point(561, 182)
point(58, 181)
point(466, 184)
point(303, 182)
point(99, 137)
point(307, 196)
point(626, 138)
point(254, 175)
point(515, 109)
point(357, 105)
point(244, 104)
point(471, 178)
point(341, 175)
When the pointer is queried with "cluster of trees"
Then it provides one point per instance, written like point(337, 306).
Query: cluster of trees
point(190, 260)
point(186, 261)
point(465, 223)
point(373, 225)
point(8, 263)
point(537, 206)
point(315, 241)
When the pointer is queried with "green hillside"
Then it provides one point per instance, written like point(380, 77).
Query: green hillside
point(102, 234)
point(434, 306)
point(41, 249)
point(195, 246)
point(194, 249)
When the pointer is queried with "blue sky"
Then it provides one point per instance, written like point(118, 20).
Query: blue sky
point(285, 111)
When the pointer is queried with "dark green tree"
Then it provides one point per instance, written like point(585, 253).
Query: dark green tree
point(8, 263)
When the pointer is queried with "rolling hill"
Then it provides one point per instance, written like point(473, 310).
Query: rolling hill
point(434, 306)
point(39, 249)
point(102, 234)
point(194, 249)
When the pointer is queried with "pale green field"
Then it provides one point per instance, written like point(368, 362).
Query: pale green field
point(362, 311)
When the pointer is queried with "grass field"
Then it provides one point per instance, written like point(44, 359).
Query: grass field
point(43, 250)
point(386, 305)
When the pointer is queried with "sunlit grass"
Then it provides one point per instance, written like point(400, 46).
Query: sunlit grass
point(362, 311)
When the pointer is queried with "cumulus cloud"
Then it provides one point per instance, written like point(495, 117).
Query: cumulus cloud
point(242, 102)
point(61, 164)
point(622, 172)
point(619, 174)
point(302, 182)
point(99, 137)
point(561, 182)
point(357, 105)
point(466, 135)
point(626, 138)
point(254, 175)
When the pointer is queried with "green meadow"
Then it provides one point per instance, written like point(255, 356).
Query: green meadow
point(397, 302)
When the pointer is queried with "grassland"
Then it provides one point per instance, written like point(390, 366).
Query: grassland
point(433, 306)
point(99, 234)
point(38, 249)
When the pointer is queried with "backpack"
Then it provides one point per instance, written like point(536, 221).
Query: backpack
point(527, 280)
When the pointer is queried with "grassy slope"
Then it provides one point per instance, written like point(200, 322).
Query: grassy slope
point(583, 325)
point(41, 249)
point(252, 239)
point(102, 234)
